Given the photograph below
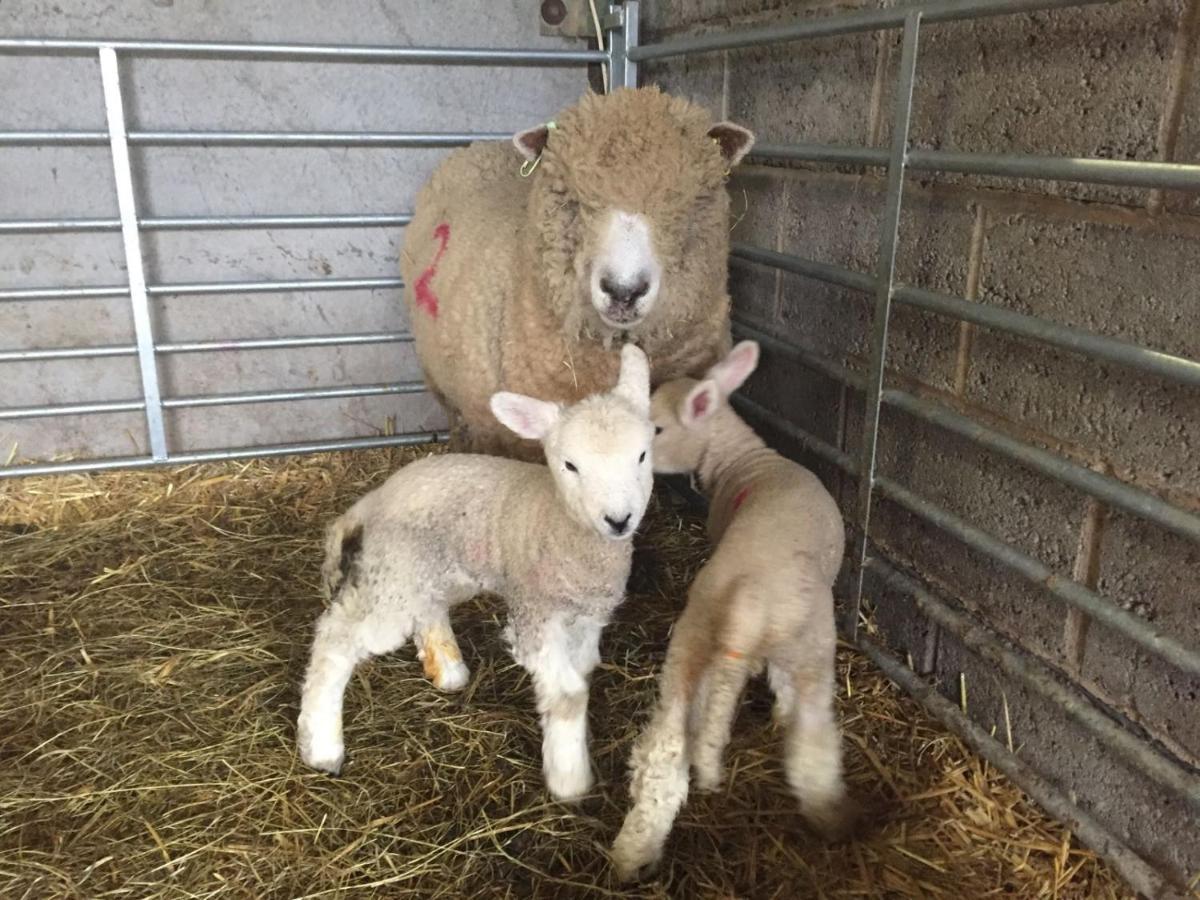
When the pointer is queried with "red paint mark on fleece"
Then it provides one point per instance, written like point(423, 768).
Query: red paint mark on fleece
point(426, 298)
point(740, 498)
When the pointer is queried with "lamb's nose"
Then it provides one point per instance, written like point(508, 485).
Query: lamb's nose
point(618, 526)
point(625, 293)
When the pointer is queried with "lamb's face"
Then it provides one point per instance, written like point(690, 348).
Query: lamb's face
point(600, 457)
point(598, 451)
point(684, 410)
point(678, 448)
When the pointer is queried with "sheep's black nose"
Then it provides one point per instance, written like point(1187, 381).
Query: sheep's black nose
point(618, 525)
point(624, 293)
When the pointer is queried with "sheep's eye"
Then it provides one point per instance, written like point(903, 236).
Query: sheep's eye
point(642, 458)
point(658, 430)
point(571, 467)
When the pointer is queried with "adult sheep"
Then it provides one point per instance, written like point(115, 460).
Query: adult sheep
point(529, 281)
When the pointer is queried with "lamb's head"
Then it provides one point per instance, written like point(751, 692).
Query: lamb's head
point(598, 451)
point(684, 410)
point(629, 189)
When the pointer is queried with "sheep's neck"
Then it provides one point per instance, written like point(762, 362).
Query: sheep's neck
point(733, 448)
point(732, 461)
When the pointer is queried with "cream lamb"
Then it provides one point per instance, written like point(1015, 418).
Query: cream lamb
point(530, 284)
point(765, 596)
point(553, 540)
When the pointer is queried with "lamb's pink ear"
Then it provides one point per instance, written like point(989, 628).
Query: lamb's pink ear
point(526, 416)
point(732, 372)
point(734, 140)
point(532, 141)
point(700, 403)
point(634, 383)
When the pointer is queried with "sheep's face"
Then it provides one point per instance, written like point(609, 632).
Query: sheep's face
point(598, 451)
point(684, 410)
point(623, 269)
point(628, 193)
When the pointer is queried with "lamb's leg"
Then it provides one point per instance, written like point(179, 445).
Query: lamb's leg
point(337, 649)
point(725, 679)
point(562, 697)
point(813, 753)
point(438, 651)
point(347, 633)
point(780, 680)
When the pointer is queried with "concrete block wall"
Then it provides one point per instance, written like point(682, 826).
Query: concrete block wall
point(1115, 81)
point(46, 182)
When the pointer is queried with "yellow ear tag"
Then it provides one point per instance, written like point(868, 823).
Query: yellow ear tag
point(530, 165)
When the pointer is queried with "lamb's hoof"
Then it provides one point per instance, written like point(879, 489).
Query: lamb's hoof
point(632, 863)
point(569, 785)
point(833, 821)
point(453, 676)
point(324, 755)
point(708, 779)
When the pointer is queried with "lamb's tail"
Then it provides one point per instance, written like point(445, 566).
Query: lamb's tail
point(343, 546)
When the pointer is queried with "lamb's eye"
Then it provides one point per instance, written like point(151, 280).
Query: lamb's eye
point(571, 466)
point(657, 430)
point(642, 458)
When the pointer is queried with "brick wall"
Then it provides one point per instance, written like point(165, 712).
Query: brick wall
point(1119, 81)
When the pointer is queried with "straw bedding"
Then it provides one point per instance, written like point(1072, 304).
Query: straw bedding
point(153, 631)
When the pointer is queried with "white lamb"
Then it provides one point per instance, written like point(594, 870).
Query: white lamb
point(765, 596)
point(553, 540)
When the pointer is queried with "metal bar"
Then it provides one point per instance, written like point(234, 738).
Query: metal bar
point(1076, 595)
point(51, 353)
point(71, 409)
point(112, 350)
point(347, 53)
point(809, 441)
point(1129, 173)
point(17, 295)
point(1141, 876)
point(614, 22)
point(822, 153)
point(204, 456)
point(205, 287)
point(317, 340)
point(1096, 484)
point(199, 223)
point(269, 287)
point(849, 23)
point(631, 35)
point(1040, 678)
point(281, 396)
point(254, 138)
point(1110, 490)
point(1124, 353)
point(143, 326)
point(889, 229)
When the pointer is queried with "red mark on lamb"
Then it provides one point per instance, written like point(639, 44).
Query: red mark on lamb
point(426, 298)
point(740, 498)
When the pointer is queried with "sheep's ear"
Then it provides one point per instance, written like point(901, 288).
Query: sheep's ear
point(734, 141)
point(700, 403)
point(526, 416)
point(532, 141)
point(731, 372)
point(634, 383)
